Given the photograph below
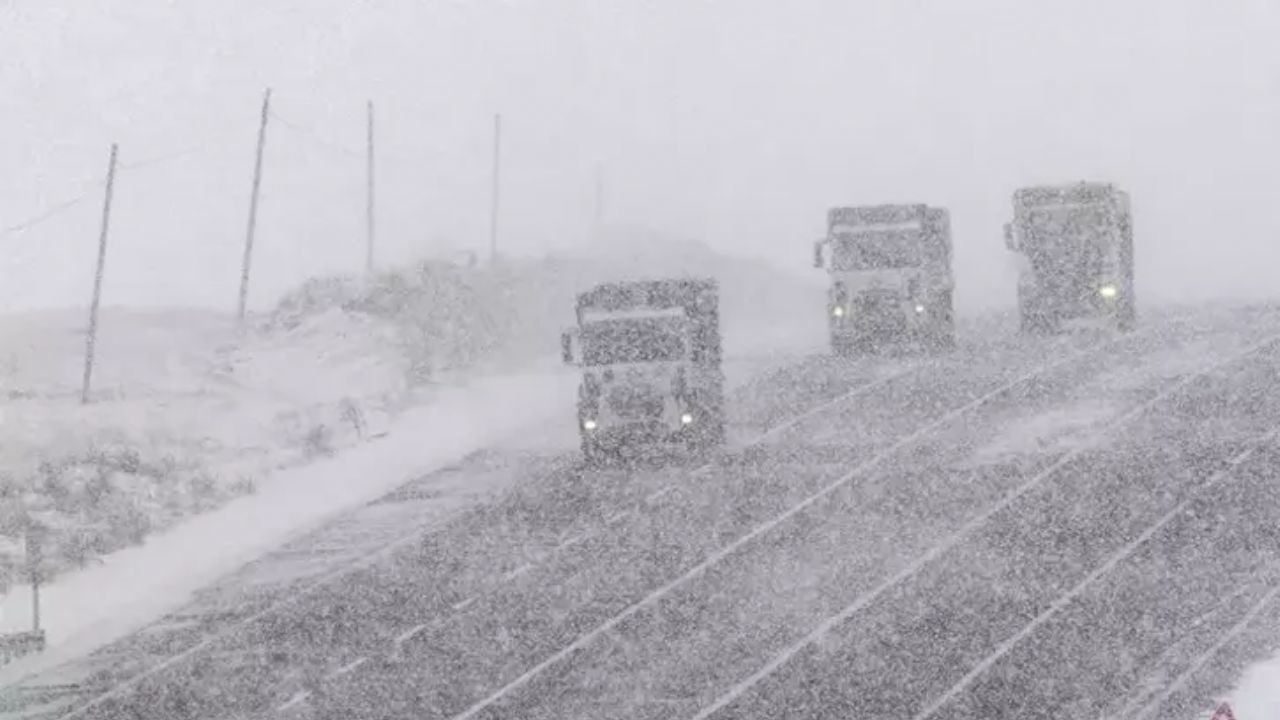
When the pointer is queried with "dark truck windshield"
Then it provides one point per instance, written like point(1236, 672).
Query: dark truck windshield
point(876, 250)
point(633, 340)
point(1067, 238)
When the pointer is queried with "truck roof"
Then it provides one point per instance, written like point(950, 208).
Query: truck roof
point(885, 214)
point(869, 218)
point(650, 293)
point(1067, 193)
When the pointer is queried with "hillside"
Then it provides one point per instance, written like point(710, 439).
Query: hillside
point(188, 413)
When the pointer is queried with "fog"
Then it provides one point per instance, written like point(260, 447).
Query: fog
point(736, 124)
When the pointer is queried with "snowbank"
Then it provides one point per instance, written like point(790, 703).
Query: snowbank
point(186, 414)
point(1257, 697)
point(83, 610)
point(205, 445)
point(189, 413)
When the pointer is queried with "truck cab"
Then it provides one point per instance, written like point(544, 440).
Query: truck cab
point(1074, 245)
point(891, 279)
point(650, 356)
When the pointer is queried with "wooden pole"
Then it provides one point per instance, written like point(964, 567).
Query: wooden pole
point(369, 215)
point(91, 340)
point(35, 557)
point(253, 208)
point(599, 218)
point(497, 168)
point(35, 599)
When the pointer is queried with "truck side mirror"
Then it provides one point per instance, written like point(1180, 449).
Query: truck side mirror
point(566, 348)
point(1009, 242)
point(817, 253)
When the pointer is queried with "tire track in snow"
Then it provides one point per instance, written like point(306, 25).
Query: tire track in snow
point(384, 547)
point(716, 557)
point(1062, 601)
point(740, 689)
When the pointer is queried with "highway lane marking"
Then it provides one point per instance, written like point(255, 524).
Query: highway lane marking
point(348, 667)
point(464, 604)
point(1066, 598)
point(654, 496)
point(952, 541)
point(1153, 707)
point(289, 600)
point(293, 599)
point(765, 527)
point(707, 467)
point(851, 394)
point(408, 634)
point(297, 699)
point(517, 572)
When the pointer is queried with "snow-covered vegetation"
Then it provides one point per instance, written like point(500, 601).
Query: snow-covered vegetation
point(189, 412)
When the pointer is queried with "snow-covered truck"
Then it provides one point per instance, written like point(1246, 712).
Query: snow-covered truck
point(650, 357)
point(1074, 245)
point(891, 280)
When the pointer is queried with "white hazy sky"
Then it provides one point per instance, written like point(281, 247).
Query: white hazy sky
point(737, 123)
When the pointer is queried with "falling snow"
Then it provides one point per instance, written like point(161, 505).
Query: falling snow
point(642, 360)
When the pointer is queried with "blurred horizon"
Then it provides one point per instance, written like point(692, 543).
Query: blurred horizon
point(735, 125)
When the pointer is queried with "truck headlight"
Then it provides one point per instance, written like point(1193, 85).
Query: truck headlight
point(1108, 291)
point(919, 309)
point(838, 311)
point(589, 425)
point(686, 419)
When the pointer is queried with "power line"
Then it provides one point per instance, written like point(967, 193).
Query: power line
point(164, 159)
point(313, 136)
point(66, 205)
point(51, 212)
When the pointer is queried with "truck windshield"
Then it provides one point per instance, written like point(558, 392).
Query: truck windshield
point(633, 340)
point(1067, 224)
point(876, 250)
point(1067, 240)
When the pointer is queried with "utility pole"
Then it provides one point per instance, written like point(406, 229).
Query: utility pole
point(253, 208)
point(497, 167)
point(368, 261)
point(599, 219)
point(35, 536)
point(92, 339)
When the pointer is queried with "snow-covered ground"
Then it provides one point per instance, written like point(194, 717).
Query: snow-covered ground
point(188, 412)
point(259, 436)
point(1257, 696)
point(185, 415)
point(83, 610)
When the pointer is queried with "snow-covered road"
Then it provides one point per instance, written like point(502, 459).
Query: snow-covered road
point(1059, 527)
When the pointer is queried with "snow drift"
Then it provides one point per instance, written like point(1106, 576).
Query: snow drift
point(188, 412)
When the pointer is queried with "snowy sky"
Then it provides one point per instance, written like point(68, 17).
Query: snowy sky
point(734, 122)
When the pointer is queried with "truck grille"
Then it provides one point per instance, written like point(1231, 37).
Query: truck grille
point(880, 303)
point(637, 403)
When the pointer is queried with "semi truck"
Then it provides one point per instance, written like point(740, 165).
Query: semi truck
point(650, 355)
point(1074, 245)
point(890, 276)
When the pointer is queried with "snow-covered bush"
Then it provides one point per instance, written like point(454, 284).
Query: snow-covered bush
point(447, 317)
point(97, 500)
point(189, 412)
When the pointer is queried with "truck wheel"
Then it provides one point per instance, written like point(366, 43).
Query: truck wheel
point(1034, 324)
point(946, 338)
point(844, 347)
point(715, 436)
point(592, 452)
point(706, 436)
